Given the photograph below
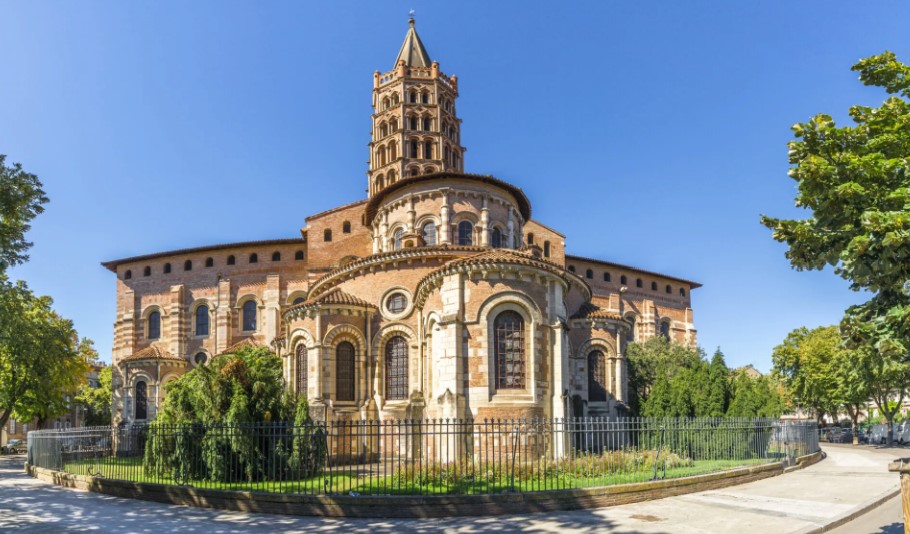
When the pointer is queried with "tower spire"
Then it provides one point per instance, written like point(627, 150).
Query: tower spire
point(412, 50)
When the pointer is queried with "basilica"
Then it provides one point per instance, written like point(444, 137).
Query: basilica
point(436, 296)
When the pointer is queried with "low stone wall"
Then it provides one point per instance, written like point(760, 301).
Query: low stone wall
point(416, 506)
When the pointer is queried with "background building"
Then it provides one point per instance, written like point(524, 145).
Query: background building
point(436, 296)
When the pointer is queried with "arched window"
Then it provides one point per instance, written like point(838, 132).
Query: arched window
point(209, 262)
point(393, 123)
point(669, 289)
point(665, 330)
point(509, 347)
point(249, 316)
point(425, 98)
point(298, 255)
point(428, 150)
point(546, 249)
point(572, 268)
point(415, 171)
point(147, 271)
point(630, 335)
point(396, 369)
point(638, 282)
point(202, 321)
point(301, 369)
point(188, 265)
point(653, 286)
point(154, 325)
point(298, 300)
point(606, 277)
point(597, 376)
point(346, 227)
point(496, 238)
point(413, 145)
point(396, 239)
point(623, 280)
point(412, 97)
point(465, 233)
point(327, 235)
point(413, 123)
point(344, 372)
point(429, 233)
point(383, 130)
point(128, 274)
point(682, 292)
point(167, 268)
point(200, 358)
point(231, 260)
point(427, 124)
point(276, 256)
point(589, 274)
point(254, 258)
point(142, 400)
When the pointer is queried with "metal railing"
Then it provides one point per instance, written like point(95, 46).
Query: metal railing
point(421, 457)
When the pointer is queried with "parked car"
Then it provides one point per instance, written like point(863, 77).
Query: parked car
point(902, 433)
point(844, 436)
point(14, 446)
point(878, 435)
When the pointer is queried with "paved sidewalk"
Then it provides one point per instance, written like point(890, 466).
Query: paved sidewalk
point(848, 480)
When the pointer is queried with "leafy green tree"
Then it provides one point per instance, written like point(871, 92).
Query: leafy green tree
point(652, 365)
point(244, 387)
point(855, 181)
point(804, 363)
point(230, 397)
point(718, 393)
point(754, 397)
point(41, 361)
point(21, 200)
point(96, 401)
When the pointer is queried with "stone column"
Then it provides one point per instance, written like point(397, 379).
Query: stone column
point(176, 327)
point(376, 244)
point(444, 238)
point(223, 316)
point(271, 316)
point(384, 232)
point(485, 223)
point(511, 224)
point(412, 215)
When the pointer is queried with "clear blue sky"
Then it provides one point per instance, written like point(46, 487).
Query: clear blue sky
point(650, 134)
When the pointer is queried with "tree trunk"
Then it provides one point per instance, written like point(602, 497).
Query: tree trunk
point(853, 411)
point(4, 416)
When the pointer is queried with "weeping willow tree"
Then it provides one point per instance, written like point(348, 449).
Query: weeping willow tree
point(233, 420)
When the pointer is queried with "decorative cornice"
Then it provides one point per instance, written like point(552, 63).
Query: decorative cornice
point(498, 261)
point(372, 207)
point(370, 263)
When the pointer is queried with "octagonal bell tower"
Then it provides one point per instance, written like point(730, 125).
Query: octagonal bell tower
point(415, 128)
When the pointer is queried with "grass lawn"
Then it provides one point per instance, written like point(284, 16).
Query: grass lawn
point(370, 482)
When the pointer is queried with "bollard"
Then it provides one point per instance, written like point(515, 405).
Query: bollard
point(902, 466)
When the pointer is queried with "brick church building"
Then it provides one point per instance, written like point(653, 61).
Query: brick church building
point(438, 295)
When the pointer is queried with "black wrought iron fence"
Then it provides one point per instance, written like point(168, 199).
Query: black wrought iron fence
point(421, 457)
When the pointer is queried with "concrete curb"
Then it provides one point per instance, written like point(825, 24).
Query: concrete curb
point(846, 517)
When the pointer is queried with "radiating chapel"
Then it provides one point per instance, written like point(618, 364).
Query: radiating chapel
point(438, 295)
